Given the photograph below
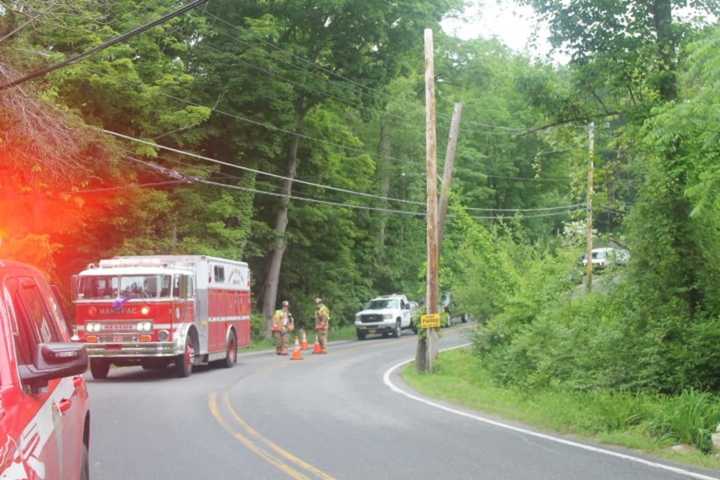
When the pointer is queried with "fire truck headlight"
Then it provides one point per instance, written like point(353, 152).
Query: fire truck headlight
point(145, 310)
point(163, 336)
point(144, 327)
point(93, 327)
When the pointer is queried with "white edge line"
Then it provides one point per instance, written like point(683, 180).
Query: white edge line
point(524, 431)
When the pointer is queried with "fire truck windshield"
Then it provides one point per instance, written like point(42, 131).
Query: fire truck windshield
point(102, 287)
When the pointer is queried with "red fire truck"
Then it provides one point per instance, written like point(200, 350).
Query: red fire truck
point(156, 311)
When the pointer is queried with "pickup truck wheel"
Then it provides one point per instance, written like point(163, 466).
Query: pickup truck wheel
point(231, 353)
point(361, 335)
point(413, 327)
point(184, 362)
point(398, 330)
point(85, 464)
point(99, 368)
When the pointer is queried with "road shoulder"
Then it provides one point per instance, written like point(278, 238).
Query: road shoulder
point(426, 392)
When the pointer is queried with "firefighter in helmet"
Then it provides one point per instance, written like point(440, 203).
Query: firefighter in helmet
point(322, 323)
point(282, 324)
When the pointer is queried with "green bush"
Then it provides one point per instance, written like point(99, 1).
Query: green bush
point(257, 325)
point(690, 417)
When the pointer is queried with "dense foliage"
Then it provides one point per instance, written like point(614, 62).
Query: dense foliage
point(332, 94)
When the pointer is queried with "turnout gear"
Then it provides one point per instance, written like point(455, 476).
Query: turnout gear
point(322, 323)
point(282, 324)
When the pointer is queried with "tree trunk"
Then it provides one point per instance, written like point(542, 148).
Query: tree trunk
point(662, 19)
point(676, 168)
point(384, 172)
point(272, 277)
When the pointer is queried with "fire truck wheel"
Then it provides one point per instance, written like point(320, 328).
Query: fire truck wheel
point(231, 353)
point(183, 363)
point(85, 467)
point(99, 368)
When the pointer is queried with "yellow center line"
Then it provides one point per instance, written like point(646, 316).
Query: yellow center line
point(288, 470)
point(275, 447)
point(257, 450)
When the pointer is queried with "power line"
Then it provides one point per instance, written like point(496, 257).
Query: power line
point(523, 217)
point(521, 210)
point(343, 78)
point(19, 28)
point(175, 174)
point(300, 57)
point(309, 199)
point(528, 179)
point(341, 99)
point(126, 187)
point(191, 179)
point(312, 184)
point(254, 170)
point(107, 44)
point(361, 207)
point(269, 125)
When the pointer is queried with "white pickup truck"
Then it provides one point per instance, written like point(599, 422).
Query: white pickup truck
point(388, 315)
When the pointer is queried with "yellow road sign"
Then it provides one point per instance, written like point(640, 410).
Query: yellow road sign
point(430, 320)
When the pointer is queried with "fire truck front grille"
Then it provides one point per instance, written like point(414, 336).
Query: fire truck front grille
point(371, 318)
point(118, 327)
point(118, 338)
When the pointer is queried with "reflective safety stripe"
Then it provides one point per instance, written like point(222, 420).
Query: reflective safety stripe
point(158, 326)
point(229, 319)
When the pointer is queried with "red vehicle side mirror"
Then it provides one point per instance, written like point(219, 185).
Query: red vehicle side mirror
point(54, 360)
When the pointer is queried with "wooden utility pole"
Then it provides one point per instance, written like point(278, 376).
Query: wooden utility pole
point(425, 354)
point(590, 191)
point(448, 169)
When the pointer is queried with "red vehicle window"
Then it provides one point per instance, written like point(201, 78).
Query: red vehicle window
point(35, 325)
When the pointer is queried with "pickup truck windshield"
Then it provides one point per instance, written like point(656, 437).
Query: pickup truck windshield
point(130, 286)
point(383, 304)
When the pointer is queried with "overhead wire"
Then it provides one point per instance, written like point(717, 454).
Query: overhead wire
point(341, 99)
point(103, 46)
point(268, 125)
point(299, 57)
point(309, 183)
point(375, 91)
point(308, 89)
point(472, 209)
point(165, 18)
point(249, 169)
point(191, 179)
point(130, 186)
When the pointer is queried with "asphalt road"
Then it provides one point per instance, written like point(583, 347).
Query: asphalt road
point(326, 417)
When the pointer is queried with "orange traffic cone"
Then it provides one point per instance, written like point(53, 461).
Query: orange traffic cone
point(317, 348)
point(303, 343)
point(297, 352)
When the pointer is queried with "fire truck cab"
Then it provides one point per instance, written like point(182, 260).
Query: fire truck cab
point(155, 311)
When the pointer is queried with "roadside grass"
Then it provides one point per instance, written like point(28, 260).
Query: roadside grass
point(650, 423)
point(343, 332)
point(259, 342)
